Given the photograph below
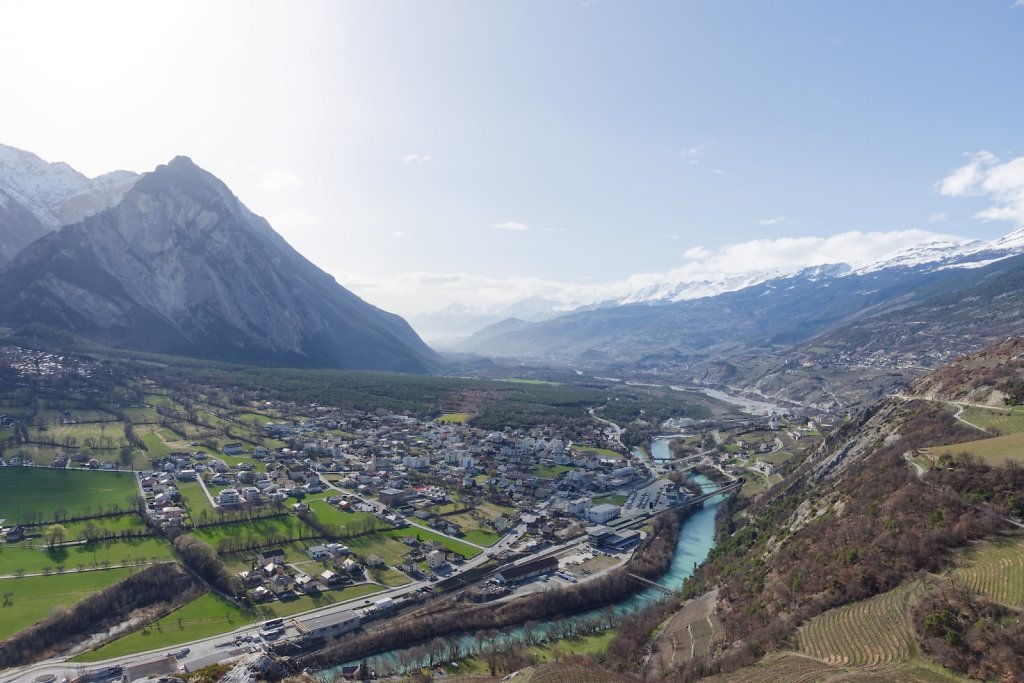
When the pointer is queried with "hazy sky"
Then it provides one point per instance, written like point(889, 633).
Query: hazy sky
point(430, 152)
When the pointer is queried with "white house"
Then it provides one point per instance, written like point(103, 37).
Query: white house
point(229, 497)
point(435, 559)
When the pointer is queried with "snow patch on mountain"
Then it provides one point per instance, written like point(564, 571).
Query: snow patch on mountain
point(55, 193)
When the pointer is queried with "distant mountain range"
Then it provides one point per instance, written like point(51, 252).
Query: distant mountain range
point(954, 296)
point(172, 262)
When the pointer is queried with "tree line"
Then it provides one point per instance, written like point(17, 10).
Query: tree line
point(159, 583)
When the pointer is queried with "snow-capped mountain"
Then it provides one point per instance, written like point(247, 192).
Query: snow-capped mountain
point(55, 193)
point(37, 197)
point(927, 256)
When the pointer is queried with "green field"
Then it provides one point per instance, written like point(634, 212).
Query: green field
point(155, 446)
point(483, 537)
point(382, 544)
point(195, 500)
point(129, 521)
point(285, 525)
point(294, 553)
point(602, 452)
point(994, 451)
point(593, 644)
point(1001, 421)
point(308, 602)
point(390, 577)
point(206, 616)
point(34, 597)
point(776, 458)
point(329, 514)
point(254, 418)
point(871, 632)
point(454, 418)
point(617, 499)
point(551, 472)
point(455, 546)
point(38, 559)
point(996, 568)
point(42, 491)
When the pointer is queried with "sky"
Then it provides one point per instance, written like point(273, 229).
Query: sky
point(476, 153)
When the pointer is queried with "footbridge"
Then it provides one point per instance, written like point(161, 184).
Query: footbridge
point(651, 584)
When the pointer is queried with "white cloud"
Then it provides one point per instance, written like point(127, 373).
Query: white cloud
point(693, 155)
point(278, 180)
point(401, 233)
point(416, 158)
point(1019, 3)
point(512, 226)
point(718, 171)
point(772, 221)
point(985, 176)
point(937, 217)
point(703, 271)
point(291, 219)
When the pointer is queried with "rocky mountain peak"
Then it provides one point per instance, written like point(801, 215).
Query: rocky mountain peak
point(181, 266)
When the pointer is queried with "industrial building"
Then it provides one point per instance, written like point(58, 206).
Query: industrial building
point(328, 625)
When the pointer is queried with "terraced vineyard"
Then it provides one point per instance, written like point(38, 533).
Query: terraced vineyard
point(792, 668)
point(996, 568)
point(869, 633)
point(570, 673)
point(1000, 421)
point(786, 668)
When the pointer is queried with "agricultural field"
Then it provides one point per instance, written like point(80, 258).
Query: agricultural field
point(872, 632)
point(257, 531)
point(388, 548)
point(39, 559)
point(294, 553)
point(208, 615)
point(1000, 421)
point(776, 458)
point(996, 569)
point(390, 577)
point(483, 537)
point(994, 451)
point(76, 531)
point(258, 419)
point(40, 492)
point(690, 631)
point(451, 544)
point(791, 668)
point(596, 450)
point(34, 597)
point(570, 673)
point(306, 603)
point(476, 531)
point(195, 500)
point(354, 520)
point(453, 418)
point(155, 446)
point(551, 472)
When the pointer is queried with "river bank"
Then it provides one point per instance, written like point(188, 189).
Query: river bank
point(695, 539)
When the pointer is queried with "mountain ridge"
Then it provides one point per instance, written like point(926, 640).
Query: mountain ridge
point(181, 266)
